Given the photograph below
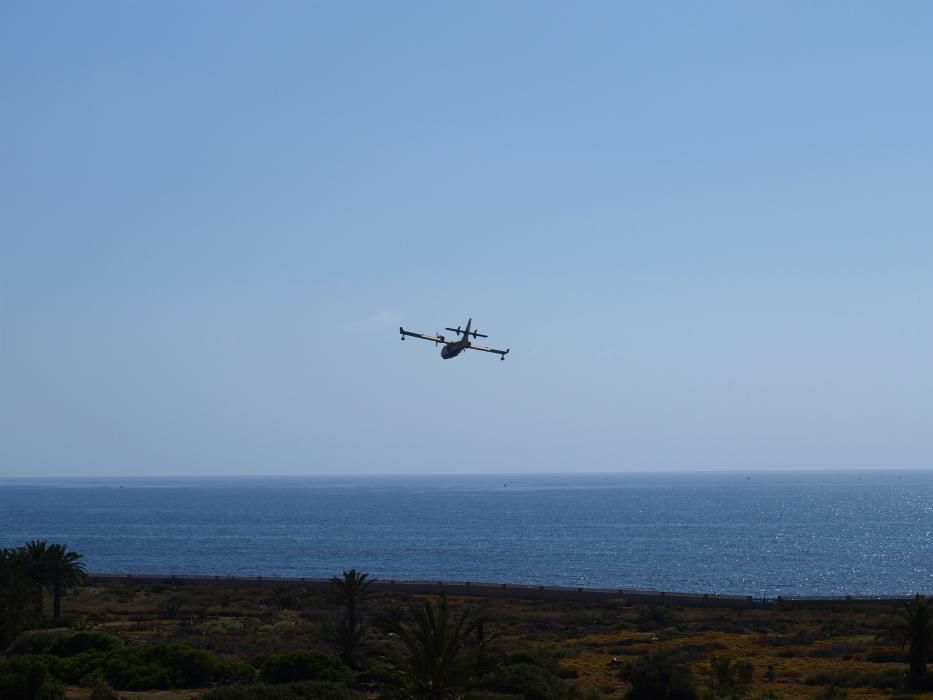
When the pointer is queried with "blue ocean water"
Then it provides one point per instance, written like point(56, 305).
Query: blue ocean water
point(761, 534)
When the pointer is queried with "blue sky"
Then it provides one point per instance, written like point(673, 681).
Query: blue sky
point(704, 231)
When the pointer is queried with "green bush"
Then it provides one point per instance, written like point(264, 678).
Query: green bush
point(730, 676)
point(656, 677)
point(307, 690)
point(651, 617)
point(27, 677)
point(134, 674)
point(160, 666)
point(79, 642)
point(528, 680)
point(190, 666)
point(833, 693)
point(151, 667)
point(80, 669)
point(36, 642)
point(170, 607)
point(523, 657)
point(283, 598)
point(304, 666)
point(234, 671)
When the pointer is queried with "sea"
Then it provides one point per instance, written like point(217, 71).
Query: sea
point(750, 533)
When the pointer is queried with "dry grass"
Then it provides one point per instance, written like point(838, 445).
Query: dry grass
point(591, 641)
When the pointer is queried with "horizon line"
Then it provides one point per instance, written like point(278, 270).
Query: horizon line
point(618, 472)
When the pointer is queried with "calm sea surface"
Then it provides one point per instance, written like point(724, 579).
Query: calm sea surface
point(758, 533)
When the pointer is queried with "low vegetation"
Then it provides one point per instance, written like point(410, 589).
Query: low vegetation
point(251, 643)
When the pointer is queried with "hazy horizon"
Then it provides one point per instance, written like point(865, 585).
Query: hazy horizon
point(703, 232)
point(635, 472)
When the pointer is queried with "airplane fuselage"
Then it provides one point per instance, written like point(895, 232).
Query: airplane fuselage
point(454, 349)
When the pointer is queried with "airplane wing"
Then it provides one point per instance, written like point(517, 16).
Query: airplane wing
point(502, 353)
point(433, 338)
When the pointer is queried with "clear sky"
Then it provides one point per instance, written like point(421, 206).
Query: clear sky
point(705, 230)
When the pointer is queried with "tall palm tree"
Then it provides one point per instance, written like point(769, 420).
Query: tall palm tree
point(350, 590)
point(913, 624)
point(66, 573)
point(36, 557)
point(440, 655)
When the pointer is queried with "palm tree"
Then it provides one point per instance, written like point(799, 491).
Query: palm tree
point(66, 573)
point(350, 590)
point(913, 624)
point(439, 654)
point(36, 556)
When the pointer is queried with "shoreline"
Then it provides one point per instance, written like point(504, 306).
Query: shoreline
point(506, 590)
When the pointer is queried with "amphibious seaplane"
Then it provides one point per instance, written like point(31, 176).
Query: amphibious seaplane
point(452, 348)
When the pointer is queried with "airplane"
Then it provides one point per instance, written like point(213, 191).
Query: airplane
point(452, 348)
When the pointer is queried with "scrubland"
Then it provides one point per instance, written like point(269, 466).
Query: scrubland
point(532, 649)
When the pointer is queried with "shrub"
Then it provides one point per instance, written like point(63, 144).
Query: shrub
point(170, 607)
point(37, 642)
point(728, 675)
point(148, 677)
point(160, 666)
point(834, 693)
point(151, 667)
point(654, 616)
point(304, 666)
point(307, 690)
point(523, 657)
point(79, 642)
point(656, 677)
point(80, 669)
point(234, 671)
point(192, 667)
point(528, 680)
point(27, 677)
point(284, 598)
